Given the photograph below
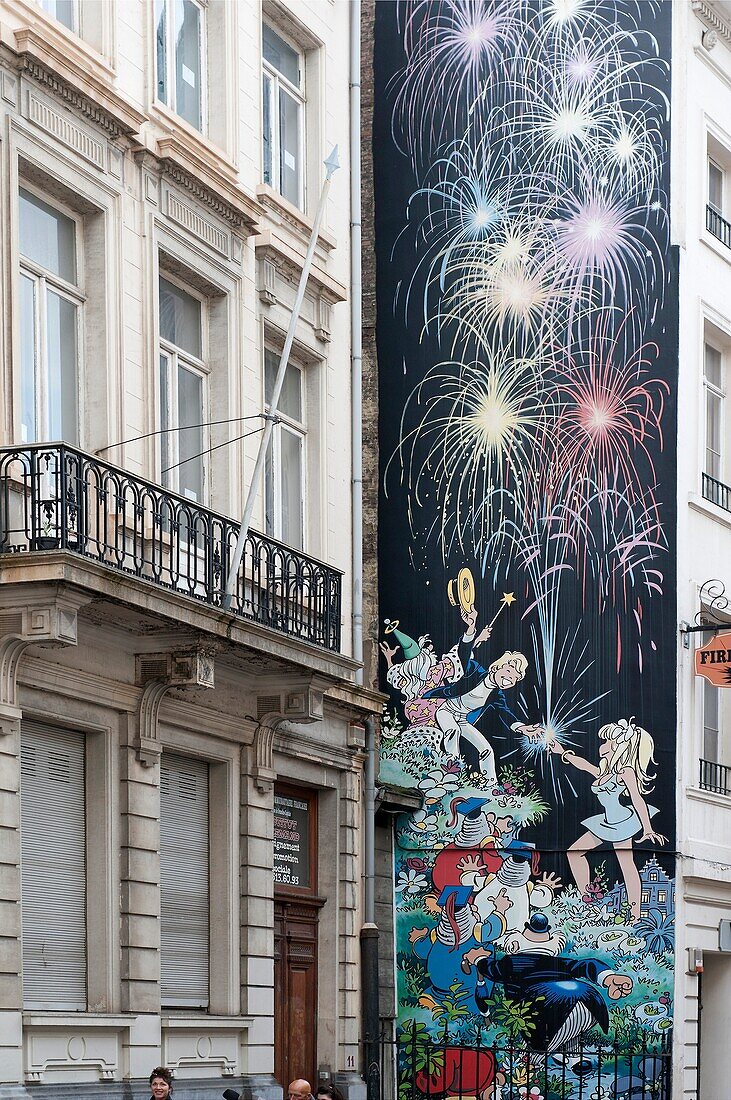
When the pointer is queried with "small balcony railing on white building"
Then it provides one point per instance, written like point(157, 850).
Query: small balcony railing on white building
point(717, 225)
point(717, 492)
point(55, 497)
point(715, 777)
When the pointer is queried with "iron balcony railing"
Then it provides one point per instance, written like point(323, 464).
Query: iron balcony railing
point(718, 226)
point(418, 1066)
point(53, 496)
point(717, 492)
point(715, 777)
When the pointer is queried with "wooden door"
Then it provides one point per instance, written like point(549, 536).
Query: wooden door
point(295, 991)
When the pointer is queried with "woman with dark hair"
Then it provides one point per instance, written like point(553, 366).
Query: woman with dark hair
point(328, 1092)
point(161, 1083)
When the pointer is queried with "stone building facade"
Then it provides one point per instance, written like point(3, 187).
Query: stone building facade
point(162, 760)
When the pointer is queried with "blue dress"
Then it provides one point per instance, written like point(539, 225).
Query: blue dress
point(619, 821)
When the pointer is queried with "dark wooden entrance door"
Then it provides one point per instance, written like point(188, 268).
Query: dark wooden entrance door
point(295, 990)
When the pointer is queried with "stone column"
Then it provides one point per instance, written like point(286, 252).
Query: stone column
point(140, 895)
point(257, 914)
point(348, 1077)
point(11, 966)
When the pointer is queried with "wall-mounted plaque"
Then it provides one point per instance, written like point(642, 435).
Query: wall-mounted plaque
point(291, 840)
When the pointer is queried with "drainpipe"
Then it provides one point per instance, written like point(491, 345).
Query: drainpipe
point(356, 337)
point(369, 931)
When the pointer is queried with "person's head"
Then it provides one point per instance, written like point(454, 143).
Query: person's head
point(627, 745)
point(161, 1083)
point(299, 1090)
point(328, 1092)
point(508, 670)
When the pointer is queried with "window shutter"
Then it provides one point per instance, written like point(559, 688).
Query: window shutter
point(184, 903)
point(53, 834)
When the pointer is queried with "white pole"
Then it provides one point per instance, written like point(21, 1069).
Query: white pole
point(331, 165)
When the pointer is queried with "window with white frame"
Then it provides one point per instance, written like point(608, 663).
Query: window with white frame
point(711, 722)
point(716, 179)
point(180, 53)
point(285, 481)
point(182, 385)
point(283, 111)
point(53, 868)
point(51, 302)
point(184, 882)
point(714, 388)
point(65, 11)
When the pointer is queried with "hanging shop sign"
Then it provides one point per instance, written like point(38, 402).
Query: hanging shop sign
point(713, 661)
point(291, 840)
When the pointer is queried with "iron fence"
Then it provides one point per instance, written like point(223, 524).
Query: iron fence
point(418, 1066)
point(717, 492)
point(715, 777)
point(53, 496)
point(718, 226)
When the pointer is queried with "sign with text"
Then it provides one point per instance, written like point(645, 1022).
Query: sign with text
point(291, 841)
point(713, 661)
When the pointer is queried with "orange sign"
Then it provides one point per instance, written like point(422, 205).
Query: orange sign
point(713, 661)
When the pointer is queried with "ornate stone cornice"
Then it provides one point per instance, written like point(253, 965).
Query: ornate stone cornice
point(293, 218)
point(271, 248)
point(157, 673)
point(209, 184)
point(45, 619)
point(709, 15)
point(75, 85)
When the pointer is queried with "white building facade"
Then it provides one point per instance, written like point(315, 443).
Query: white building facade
point(181, 786)
point(700, 224)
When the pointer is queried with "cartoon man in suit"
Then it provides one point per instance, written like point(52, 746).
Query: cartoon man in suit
point(478, 694)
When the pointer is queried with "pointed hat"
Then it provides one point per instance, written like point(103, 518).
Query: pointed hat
point(410, 647)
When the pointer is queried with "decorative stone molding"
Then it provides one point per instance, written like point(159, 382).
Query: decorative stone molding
point(65, 130)
point(157, 673)
point(288, 263)
point(76, 82)
point(263, 771)
point(290, 216)
point(203, 1043)
point(323, 312)
point(49, 620)
point(267, 281)
point(709, 15)
point(63, 1048)
point(297, 703)
point(188, 217)
point(207, 182)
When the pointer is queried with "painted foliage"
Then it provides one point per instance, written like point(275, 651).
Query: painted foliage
point(527, 364)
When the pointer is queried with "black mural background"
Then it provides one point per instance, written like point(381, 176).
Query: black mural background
point(448, 110)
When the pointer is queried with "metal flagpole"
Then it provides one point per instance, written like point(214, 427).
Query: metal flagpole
point(331, 164)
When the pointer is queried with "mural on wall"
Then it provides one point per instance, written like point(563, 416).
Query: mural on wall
point(527, 361)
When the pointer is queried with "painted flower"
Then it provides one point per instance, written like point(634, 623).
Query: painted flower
point(423, 821)
point(411, 881)
point(532, 1093)
point(437, 783)
point(416, 863)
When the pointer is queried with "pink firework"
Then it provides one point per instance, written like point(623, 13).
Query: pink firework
point(609, 413)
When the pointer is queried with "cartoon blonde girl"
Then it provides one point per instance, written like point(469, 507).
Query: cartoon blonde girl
point(621, 781)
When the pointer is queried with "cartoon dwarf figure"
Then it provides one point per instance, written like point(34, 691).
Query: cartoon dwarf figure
point(513, 876)
point(459, 930)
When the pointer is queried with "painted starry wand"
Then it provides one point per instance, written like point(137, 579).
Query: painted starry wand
point(508, 598)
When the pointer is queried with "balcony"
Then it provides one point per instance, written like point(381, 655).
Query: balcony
point(715, 777)
point(54, 497)
point(717, 226)
point(718, 493)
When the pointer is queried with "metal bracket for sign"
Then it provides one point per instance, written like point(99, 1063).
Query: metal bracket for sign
point(713, 596)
